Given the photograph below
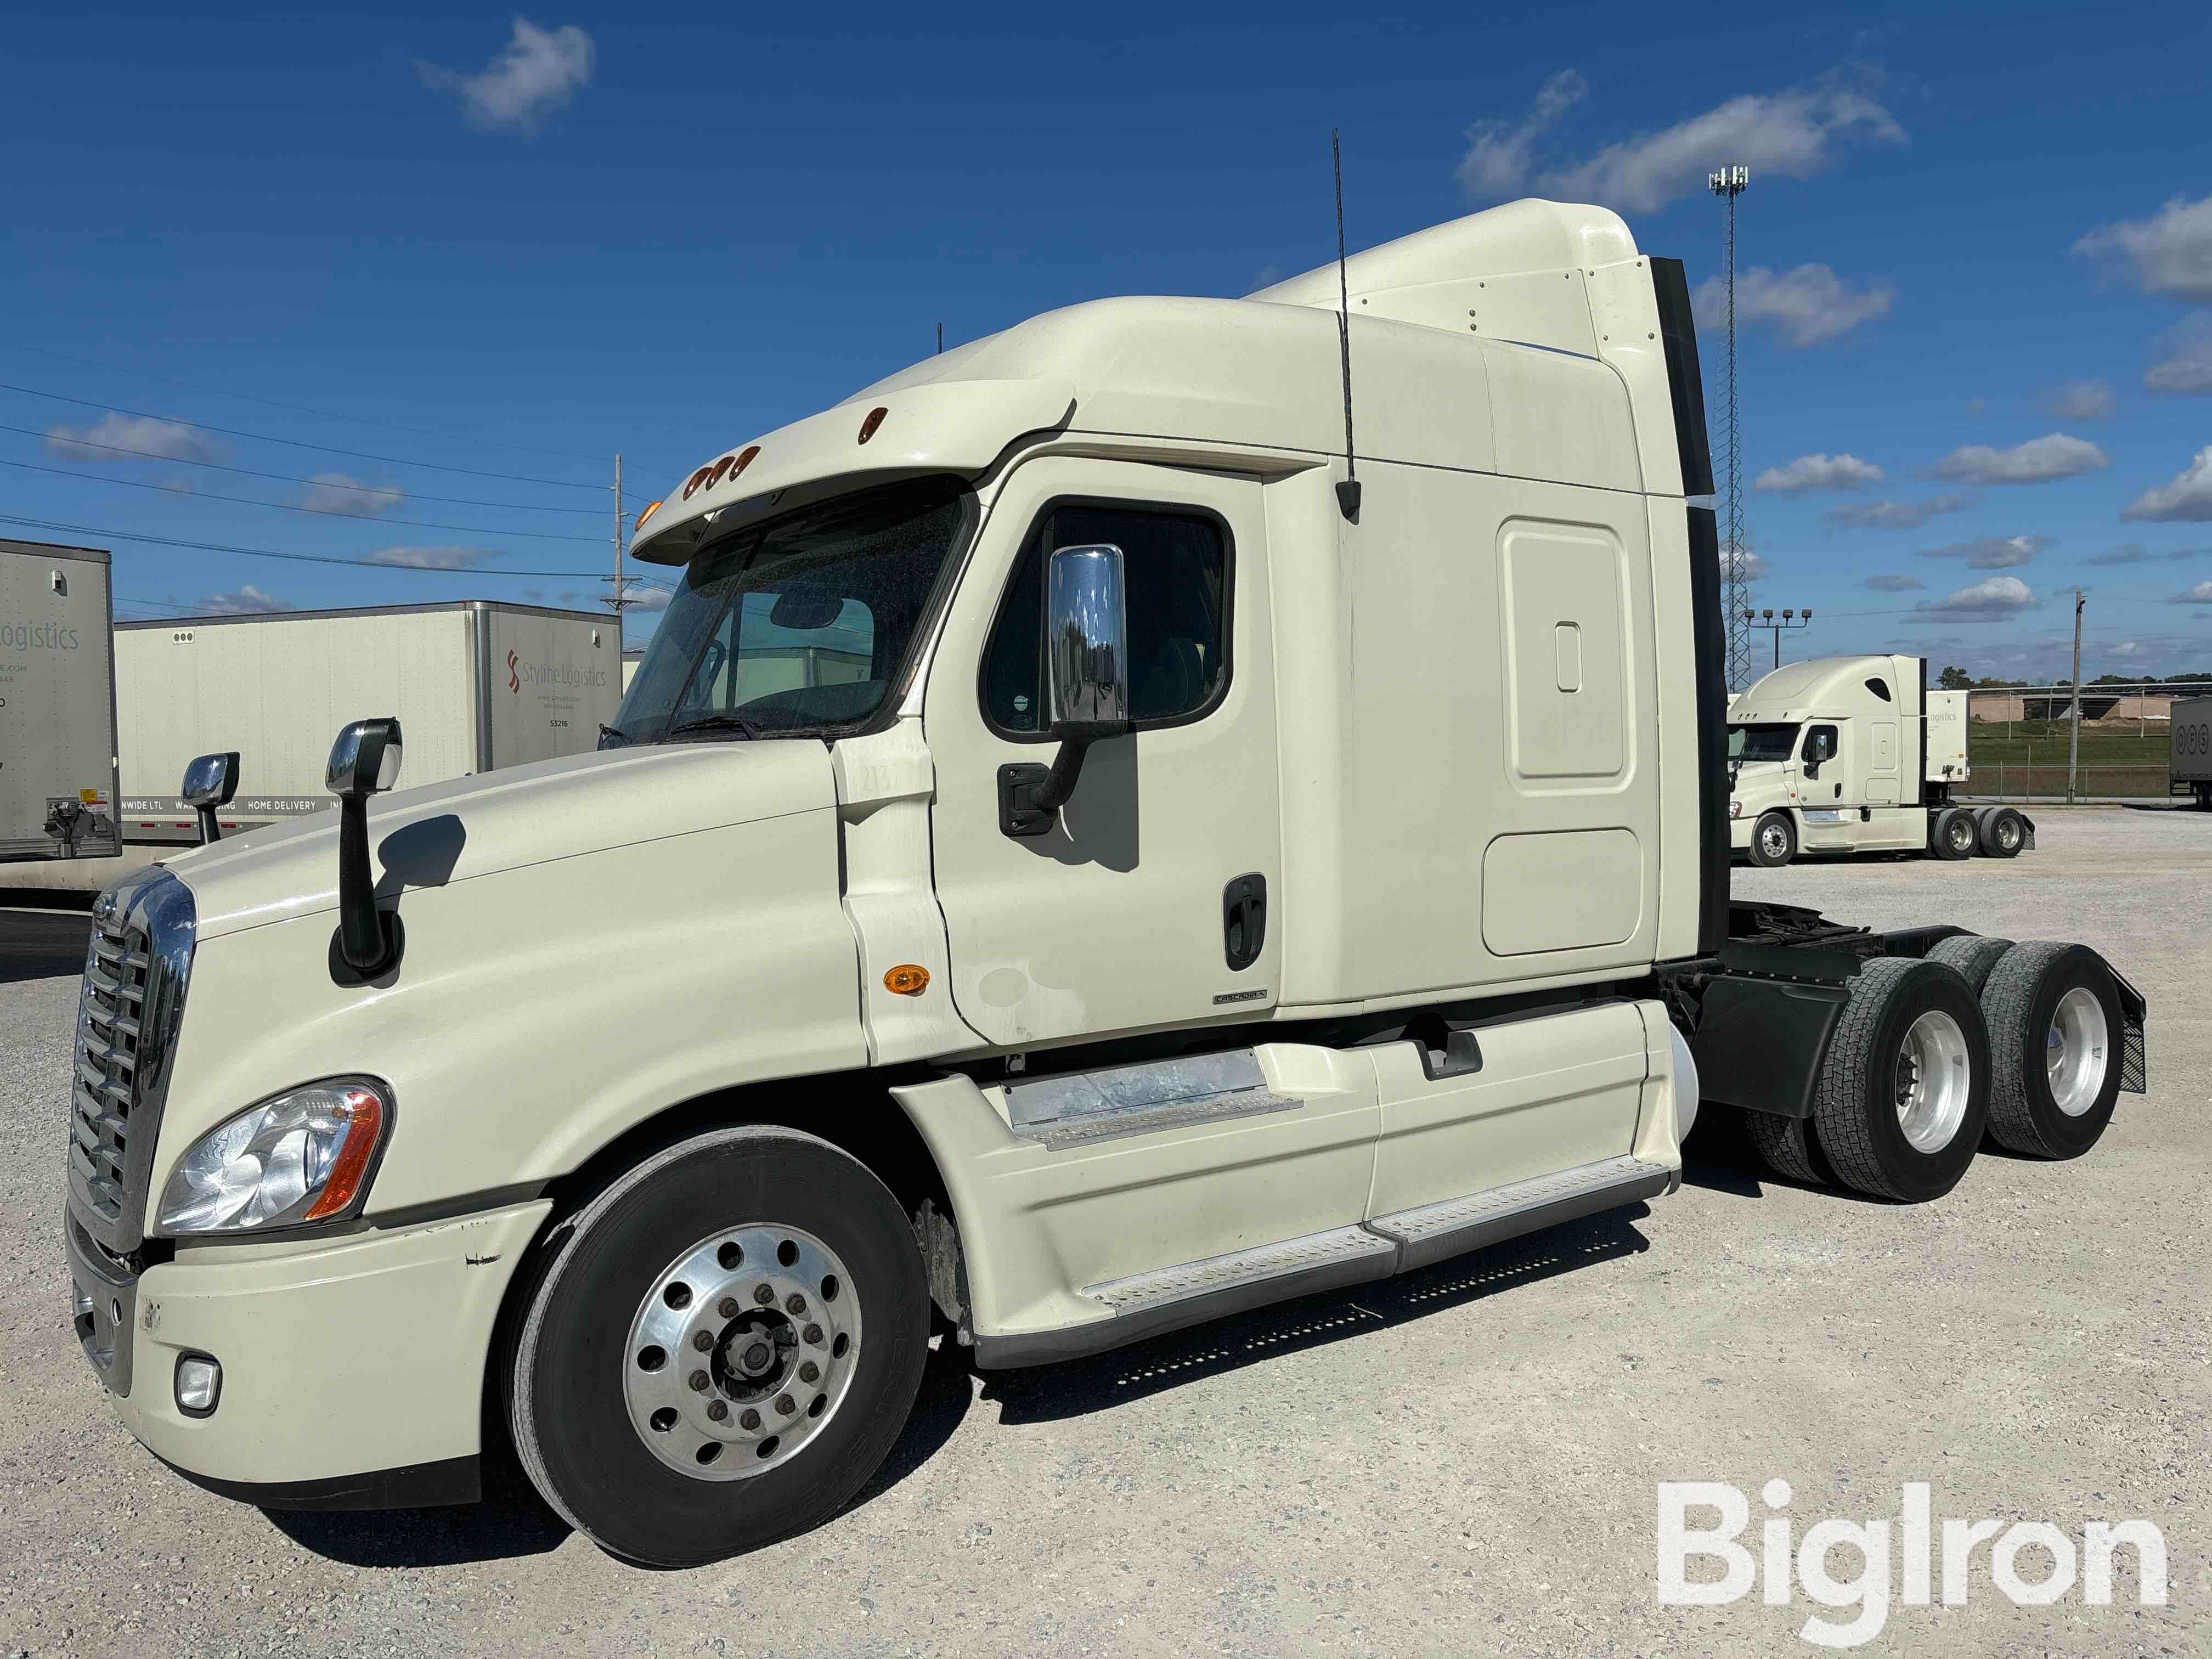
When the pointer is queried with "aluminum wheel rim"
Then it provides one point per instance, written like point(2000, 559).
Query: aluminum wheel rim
point(1772, 842)
point(1935, 1079)
point(742, 1351)
point(1962, 834)
point(2007, 833)
point(2075, 1052)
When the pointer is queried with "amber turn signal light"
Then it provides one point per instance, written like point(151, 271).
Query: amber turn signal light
point(875, 419)
point(909, 979)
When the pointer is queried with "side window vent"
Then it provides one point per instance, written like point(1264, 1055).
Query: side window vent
point(1879, 689)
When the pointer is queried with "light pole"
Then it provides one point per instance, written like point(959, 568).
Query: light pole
point(1791, 618)
point(1730, 183)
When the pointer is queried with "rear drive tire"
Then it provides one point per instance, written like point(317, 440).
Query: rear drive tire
point(1785, 1145)
point(1974, 956)
point(2003, 833)
point(2056, 1036)
point(1773, 840)
point(1952, 836)
point(1902, 1095)
point(675, 1454)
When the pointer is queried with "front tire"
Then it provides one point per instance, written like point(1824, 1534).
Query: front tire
point(669, 1410)
point(2055, 1034)
point(1902, 1095)
point(1773, 840)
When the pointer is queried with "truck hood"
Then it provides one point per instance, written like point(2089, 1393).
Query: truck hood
point(477, 826)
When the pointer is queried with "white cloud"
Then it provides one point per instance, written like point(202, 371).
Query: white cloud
point(1795, 133)
point(2200, 594)
point(165, 441)
point(1993, 600)
point(432, 558)
point(2188, 369)
point(2039, 460)
point(248, 601)
point(2137, 553)
point(1741, 562)
point(1895, 584)
point(1808, 306)
point(2187, 500)
point(2080, 400)
point(1893, 515)
point(642, 596)
point(334, 492)
point(2125, 649)
point(1497, 162)
point(2169, 253)
point(536, 73)
point(1993, 552)
point(1809, 472)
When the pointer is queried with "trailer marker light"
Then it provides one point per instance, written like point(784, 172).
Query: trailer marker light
point(875, 419)
point(909, 979)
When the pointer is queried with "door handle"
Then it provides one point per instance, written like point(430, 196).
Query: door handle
point(1243, 920)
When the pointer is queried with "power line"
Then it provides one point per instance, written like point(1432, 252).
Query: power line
point(296, 443)
point(293, 477)
point(302, 408)
point(294, 558)
point(290, 507)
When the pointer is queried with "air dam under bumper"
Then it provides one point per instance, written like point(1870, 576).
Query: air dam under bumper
point(345, 1364)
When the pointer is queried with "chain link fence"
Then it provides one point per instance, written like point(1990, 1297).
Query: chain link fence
point(2023, 782)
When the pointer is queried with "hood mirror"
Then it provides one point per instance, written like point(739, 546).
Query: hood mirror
point(364, 761)
point(209, 783)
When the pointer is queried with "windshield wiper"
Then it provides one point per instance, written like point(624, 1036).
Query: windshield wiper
point(737, 723)
point(620, 736)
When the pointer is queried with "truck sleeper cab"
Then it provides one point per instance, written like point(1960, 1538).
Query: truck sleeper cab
point(1857, 755)
point(1065, 868)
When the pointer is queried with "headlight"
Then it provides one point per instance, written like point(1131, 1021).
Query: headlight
point(305, 1155)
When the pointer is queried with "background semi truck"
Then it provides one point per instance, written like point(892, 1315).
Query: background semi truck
point(477, 685)
point(1195, 867)
point(57, 776)
point(1857, 755)
point(2189, 766)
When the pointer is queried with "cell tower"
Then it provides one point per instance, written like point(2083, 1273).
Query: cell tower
point(1728, 184)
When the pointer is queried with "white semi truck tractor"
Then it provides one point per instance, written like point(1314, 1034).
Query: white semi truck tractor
point(1197, 866)
point(1857, 755)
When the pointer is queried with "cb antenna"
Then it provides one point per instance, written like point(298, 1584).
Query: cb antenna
point(1347, 493)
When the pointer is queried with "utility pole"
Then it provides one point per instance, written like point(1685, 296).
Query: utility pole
point(1730, 183)
point(620, 600)
point(2074, 741)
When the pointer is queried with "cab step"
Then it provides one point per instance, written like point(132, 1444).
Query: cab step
point(1433, 1232)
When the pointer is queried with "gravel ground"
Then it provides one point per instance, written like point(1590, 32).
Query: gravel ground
point(1461, 1461)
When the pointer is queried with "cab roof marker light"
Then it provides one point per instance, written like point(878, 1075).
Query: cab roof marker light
point(651, 508)
point(875, 419)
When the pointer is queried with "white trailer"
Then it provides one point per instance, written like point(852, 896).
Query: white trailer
point(476, 685)
point(2189, 762)
point(1857, 755)
point(57, 783)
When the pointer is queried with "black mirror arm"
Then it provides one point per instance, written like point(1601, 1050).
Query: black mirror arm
point(361, 939)
point(1075, 740)
point(210, 831)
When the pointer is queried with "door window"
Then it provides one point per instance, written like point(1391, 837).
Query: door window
point(1820, 744)
point(1176, 574)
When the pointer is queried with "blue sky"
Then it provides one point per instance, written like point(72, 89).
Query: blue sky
point(1976, 259)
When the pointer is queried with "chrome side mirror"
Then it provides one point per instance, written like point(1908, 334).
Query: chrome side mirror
point(209, 783)
point(1086, 642)
point(1086, 647)
point(364, 761)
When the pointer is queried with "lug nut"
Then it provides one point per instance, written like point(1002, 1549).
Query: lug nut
point(795, 1305)
point(764, 1295)
point(717, 1410)
point(785, 1404)
point(698, 1381)
point(727, 1307)
point(808, 1372)
point(703, 1342)
point(813, 1335)
point(749, 1421)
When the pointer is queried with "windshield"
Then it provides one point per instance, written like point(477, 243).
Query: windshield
point(798, 625)
point(1761, 743)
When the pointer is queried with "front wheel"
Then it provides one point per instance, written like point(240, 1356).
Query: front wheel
point(721, 1348)
point(1773, 840)
point(1902, 1095)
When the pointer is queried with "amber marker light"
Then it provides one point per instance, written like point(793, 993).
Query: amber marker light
point(651, 508)
point(366, 1129)
point(744, 460)
point(875, 419)
point(909, 979)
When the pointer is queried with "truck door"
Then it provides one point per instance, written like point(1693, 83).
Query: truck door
point(1152, 901)
point(1881, 773)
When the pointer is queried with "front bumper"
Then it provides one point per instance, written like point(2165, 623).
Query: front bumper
point(345, 1363)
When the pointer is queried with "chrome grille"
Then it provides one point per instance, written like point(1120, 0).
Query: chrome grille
point(127, 1010)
